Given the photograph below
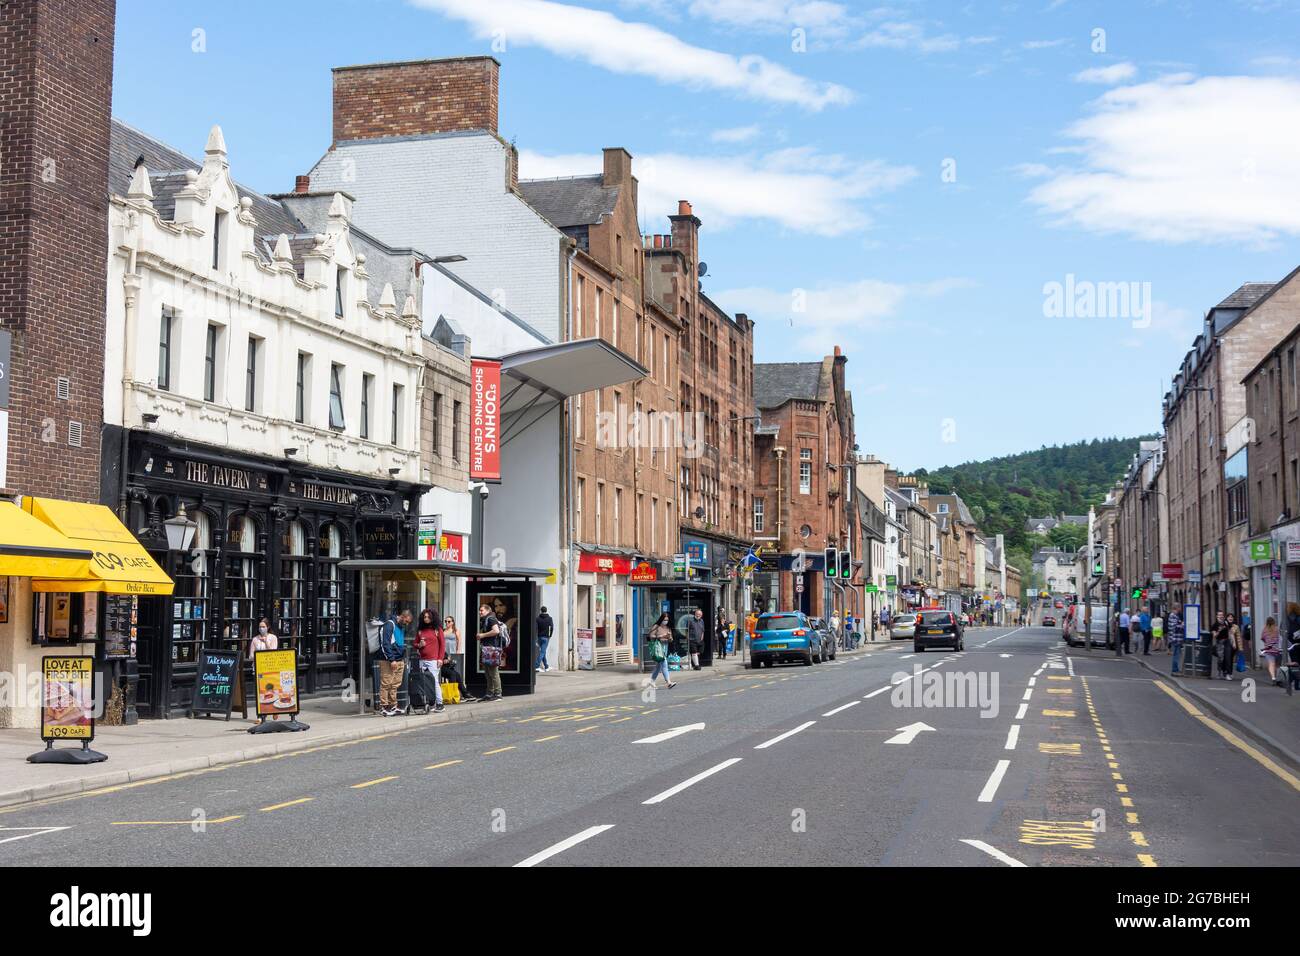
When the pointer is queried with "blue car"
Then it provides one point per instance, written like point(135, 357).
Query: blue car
point(787, 636)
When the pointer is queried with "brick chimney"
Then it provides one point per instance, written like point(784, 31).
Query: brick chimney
point(302, 184)
point(415, 98)
point(618, 166)
point(686, 230)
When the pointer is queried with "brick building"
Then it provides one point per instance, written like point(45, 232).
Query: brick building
point(803, 475)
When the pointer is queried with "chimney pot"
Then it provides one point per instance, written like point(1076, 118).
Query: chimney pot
point(838, 353)
point(683, 207)
point(302, 184)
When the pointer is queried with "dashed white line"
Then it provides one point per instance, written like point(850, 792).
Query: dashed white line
point(832, 713)
point(1013, 735)
point(39, 831)
point(780, 737)
point(1020, 714)
point(1069, 663)
point(1028, 693)
point(563, 845)
point(1032, 681)
point(993, 852)
point(990, 788)
point(874, 693)
point(671, 791)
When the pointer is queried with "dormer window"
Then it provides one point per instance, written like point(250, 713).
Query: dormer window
point(340, 277)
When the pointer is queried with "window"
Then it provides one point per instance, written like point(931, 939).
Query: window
point(758, 515)
point(614, 323)
point(367, 387)
point(654, 523)
point(218, 230)
point(580, 290)
point(165, 349)
point(943, 508)
point(650, 353)
point(600, 308)
point(577, 416)
point(455, 431)
point(581, 493)
point(210, 365)
point(665, 356)
point(1290, 369)
point(250, 374)
point(618, 517)
point(600, 507)
point(437, 423)
point(340, 276)
point(397, 415)
point(805, 471)
point(337, 421)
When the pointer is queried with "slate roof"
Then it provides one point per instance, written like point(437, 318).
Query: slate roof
point(572, 200)
point(1246, 296)
point(776, 383)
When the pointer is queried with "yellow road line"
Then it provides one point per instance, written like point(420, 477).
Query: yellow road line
point(173, 823)
point(1130, 818)
point(583, 730)
point(1137, 838)
point(1146, 859)
point(499, 750)
point(542, 740)
point(287, 803)
point(620, 720)
point(371, 783)
point(439, 766)
point(1263, 760)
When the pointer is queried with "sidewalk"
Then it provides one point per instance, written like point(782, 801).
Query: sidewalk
point(1272, 719)
point(159, 748)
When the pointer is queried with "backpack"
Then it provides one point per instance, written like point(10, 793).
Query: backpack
point(504, 633)
point(374, 632)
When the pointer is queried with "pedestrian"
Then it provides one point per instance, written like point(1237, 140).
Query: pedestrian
point(1223, 650)
point(1271, 647)
point(1122, 630)
point(493, 654)
point(721, 634)
point(1158, 632)
point(848, 630)
point(392, 663)
point(456, 655)
point(659, 642)
point(696, 635)
point(1237, 638)
point(432, 645)
point(1144, 625)
point(835, 622)
point(1135, 630)
point(545, 628)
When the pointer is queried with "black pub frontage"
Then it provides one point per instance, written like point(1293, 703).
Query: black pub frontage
point(269, 538)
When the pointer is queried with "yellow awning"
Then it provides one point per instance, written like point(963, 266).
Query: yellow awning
point(31, 548)
point(118, 563)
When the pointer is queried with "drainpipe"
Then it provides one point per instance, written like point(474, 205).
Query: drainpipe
point(570, 483)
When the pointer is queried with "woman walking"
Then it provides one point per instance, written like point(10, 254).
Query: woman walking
point(1271, 647)
point(658, 644)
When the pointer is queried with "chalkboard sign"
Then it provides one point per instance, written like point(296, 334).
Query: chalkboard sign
point(214, 685)
point(119, 626)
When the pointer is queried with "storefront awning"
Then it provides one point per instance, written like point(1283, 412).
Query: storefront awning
point(31, 548)
point(118, 564)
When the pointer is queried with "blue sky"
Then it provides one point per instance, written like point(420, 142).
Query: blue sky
point(902, 179)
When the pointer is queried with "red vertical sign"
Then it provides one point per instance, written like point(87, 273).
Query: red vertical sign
point(485, 420)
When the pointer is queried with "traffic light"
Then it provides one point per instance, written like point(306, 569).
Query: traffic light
point(832, 564)
point(846, 565)
point(1139, 594)
point(1098, 560)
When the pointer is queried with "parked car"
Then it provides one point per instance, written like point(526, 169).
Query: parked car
point(1049, 620)
point(903, 625)
point(938, 629)
point(786, 636)
point(829, 639)
point(1072, 626)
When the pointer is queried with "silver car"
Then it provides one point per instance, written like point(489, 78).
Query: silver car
point(904, 625)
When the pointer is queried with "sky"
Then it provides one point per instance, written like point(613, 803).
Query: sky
point(1012, 217)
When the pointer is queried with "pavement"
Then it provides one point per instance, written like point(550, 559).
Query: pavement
point(1015, 752)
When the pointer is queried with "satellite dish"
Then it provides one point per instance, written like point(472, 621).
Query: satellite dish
point(704, 269)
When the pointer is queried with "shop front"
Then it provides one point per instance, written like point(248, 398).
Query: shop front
point(70, 578)
point(268, 539)
point(604, 608)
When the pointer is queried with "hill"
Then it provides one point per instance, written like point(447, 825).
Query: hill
point(1003, 493)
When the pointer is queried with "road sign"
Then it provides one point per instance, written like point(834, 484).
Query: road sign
point(428, 537)
point(1193, 577)
point(871, 589)
point(1172, 572)
point(798, 584)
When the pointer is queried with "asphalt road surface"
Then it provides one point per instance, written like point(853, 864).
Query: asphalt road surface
point(1030, 754)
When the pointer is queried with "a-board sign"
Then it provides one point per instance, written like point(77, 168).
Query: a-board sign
point(276, 683)
point(68, 698)
point(214, 685)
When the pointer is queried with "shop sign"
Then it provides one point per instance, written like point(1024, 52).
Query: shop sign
point(871, 589)
point(317, 491)
point(679, 564)
point(1261, 550)
point(586, 648)
point(214, 688)
point(1293, 552)
point(891, 580)
point(485, 420)
point(604, 564)
point(276, 682)
point(68, 698)
point(699, 552)
point(643, 572)
point(428, 537)
point(1171, 572)
point(380, 540)
point(1193, 577)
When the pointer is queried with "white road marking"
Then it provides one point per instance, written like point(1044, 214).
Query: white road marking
point(906, 657)
point(1032, 682)
point(1069, 661)
point(990, 788)
point(1028, 693)
point(1013, 735)
point(874, 693)
point(563, 845)
point(671, 791)
point(1004, 655)
point(993, 852)
point(909, 733)
point(39, 831)
point(669, 734)
point(780, 737)
point(1020, 714)
point(832, 713)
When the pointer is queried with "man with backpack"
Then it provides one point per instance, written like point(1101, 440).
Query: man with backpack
point(545, 628)
point(493, 639)
point(392, 661)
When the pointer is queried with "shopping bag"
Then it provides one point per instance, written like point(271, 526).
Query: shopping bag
point(450, 692)
point(656, 650)
point(1241, 661)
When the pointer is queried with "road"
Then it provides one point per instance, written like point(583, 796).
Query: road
point(1065, 758)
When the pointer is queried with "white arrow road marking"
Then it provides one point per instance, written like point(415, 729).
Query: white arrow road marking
point(1004, 655)
point(993, 852)
point(563, 845)
point(908, 733)
point(780, 737)
point(661, 797)
point(39, 831)
point(669, 734)
point(990, 788)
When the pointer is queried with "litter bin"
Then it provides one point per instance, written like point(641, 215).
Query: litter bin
point(1197, 658)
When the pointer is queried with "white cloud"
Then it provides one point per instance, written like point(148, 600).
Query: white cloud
point(1042, 44)
point(816, 15)
point(799, 189)
point(1183, 160)
point(602, 39)
point(1107, 75)
point(832, 313)
point(736, 134)
point(909, 35)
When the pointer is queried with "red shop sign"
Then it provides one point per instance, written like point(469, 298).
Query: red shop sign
point(485, 420)
point(644, 572)
point(602, 564)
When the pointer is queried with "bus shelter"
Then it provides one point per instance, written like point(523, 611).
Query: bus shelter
point(679, 599)
point(388, 587)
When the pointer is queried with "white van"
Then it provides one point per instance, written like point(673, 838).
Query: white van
point(1072, 628)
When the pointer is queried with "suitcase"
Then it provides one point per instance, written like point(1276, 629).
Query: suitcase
point(420, 690)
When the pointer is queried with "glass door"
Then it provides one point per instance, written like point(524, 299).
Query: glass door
point(333, 633)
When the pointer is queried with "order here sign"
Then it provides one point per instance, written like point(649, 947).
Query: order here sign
point(485, 420)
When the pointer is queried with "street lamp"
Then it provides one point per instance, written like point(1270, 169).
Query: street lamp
point(180, 530)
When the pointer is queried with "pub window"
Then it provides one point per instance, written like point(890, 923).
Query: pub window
point(210, 363)
point(396, 430)
point(241, 572)
point(302, 388)
point(329, 609)
point(292, 610)
point(336, 397)
point(250, 374)
point(367, 386)
point(165, 326)
point(189, 600)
